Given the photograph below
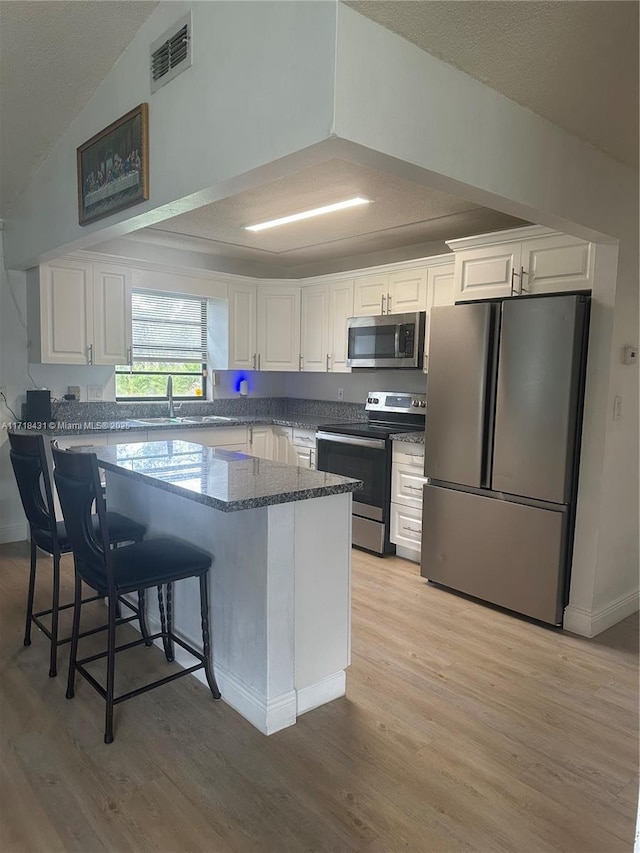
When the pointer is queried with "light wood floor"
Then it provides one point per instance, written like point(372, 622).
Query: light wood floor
point(463, 729)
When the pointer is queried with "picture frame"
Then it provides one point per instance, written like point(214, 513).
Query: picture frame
point(113, 167)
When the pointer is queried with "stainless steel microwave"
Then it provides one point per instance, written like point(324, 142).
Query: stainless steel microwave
point(389, 340)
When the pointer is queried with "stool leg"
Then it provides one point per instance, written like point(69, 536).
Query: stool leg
point(53, 664)
point(206, 645)
point(111, 664)
point(142, 617)
point(73, 654)
point(163, 624)
point(169, 645)
point(32, 586)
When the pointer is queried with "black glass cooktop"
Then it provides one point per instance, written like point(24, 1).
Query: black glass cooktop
point(371, 429)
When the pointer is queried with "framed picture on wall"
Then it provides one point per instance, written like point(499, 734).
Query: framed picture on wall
point(113, 167)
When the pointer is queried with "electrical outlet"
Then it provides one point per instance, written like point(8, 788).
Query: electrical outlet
point(340, 393)
point(617, 408)
point(94, 393)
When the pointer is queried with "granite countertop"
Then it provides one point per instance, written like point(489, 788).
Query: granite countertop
point(145, 425)
point(222, 479)
point(414, 437)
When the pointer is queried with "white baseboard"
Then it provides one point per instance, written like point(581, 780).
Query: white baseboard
point(332, 687)
point(13, 533)
point(408, 554)
point(590, 623)
point(268, 717)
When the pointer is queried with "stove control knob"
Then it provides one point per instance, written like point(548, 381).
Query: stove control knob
point(416, 403)
point(375, 400)
point(423, 404)
point(369, 399)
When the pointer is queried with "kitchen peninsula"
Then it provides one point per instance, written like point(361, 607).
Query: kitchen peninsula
point(280, 538)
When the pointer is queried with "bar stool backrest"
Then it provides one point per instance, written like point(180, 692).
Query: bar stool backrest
point(78, 482)
point(29, 461)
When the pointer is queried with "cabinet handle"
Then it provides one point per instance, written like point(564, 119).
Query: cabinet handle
point(522, 275)
point(253, 367)
point(411, 529)
point(90, 354)
point(250, 435)
point(382, 304)
point(388, 303)
point(328, 367)
point(413, 488)
point(300, 362)
point(513, 289)
point(130, 354)
point(258, 361)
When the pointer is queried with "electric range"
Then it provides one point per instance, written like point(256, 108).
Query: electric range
point(363, 450)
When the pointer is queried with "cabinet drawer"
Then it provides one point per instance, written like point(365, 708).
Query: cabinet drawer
point(304, 438)
point(406, 485)
point(409, 453)
point(406, 526)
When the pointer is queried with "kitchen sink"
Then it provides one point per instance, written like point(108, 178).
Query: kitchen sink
point(206, 419)
point(157, 421)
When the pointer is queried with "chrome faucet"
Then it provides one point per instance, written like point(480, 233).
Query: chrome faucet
point(172, 408)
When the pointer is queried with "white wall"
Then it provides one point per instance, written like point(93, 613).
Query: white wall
point(406, 111)
point(324, 386)
point(260, 88)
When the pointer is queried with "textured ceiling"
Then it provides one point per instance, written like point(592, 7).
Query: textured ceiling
point(574, 63)
point(53, 56)
point(402, 216)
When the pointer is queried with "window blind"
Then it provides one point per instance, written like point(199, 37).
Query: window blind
point(167, 327)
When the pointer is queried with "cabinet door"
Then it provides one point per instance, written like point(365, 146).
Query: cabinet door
point(486, 272)
point(340, 309)
point(315, 328)
point(370, 296)
point(242, 327)
point(440, 291)
point(111, 315)
point(278, 328)
point(302, 457)
point(555, 264)
point(66, 313)
point(282, 445)
point(407, 292)
point(261, 442)
point(406, 527)
point(406, 485)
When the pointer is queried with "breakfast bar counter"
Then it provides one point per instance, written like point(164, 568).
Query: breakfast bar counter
point(280, 539)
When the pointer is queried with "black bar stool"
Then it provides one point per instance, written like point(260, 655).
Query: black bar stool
point(116, 572)
point(29, 460)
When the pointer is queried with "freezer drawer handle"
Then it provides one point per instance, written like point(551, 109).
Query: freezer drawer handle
point(376, 443)
point(411, 529)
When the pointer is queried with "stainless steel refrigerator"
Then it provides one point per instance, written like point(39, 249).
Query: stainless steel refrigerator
point(504, 410)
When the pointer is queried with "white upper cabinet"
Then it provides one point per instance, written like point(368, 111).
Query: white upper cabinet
point(79, 313)
point(370, 296)
point(314, 328)
point(407, 292)
point(440, 291)
point(243, 352)
point(325, 310)
point(391, 293)
point(111, 314)
point(515, 263)
point(278, 322)
point(340, 309)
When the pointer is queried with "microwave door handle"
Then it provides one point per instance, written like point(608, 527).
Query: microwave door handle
point(400, 340)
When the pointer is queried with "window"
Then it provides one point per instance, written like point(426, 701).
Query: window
point(169, 338)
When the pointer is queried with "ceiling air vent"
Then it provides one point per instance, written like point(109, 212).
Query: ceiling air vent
point(171, 53)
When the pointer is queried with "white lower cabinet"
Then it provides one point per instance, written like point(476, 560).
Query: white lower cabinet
point(407, 480)
point(261, 442)
point(282, 445)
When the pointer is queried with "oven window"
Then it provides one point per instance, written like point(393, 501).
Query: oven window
point(372, 342)
point(362, 463)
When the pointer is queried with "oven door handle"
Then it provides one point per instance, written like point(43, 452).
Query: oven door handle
point(338, 438)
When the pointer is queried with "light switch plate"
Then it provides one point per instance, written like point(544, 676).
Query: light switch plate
point(94, 393)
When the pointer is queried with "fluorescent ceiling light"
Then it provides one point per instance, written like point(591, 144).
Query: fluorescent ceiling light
point(307, 214)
